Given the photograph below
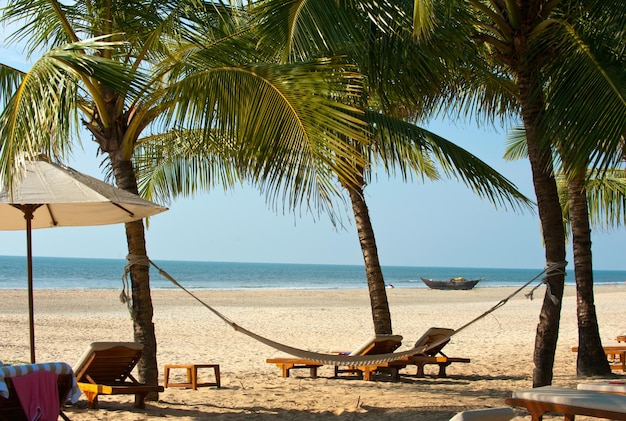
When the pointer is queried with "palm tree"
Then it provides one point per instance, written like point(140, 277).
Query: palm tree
point(393, 143)
point(403, 79)
point(605, 205)
point(128, 86)
point(603, 89)
point(572, 190)
point(529, 43)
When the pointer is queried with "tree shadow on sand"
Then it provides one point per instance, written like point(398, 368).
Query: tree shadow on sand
point(115, 410)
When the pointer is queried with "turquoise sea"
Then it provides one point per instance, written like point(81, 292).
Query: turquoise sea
point(80, 273)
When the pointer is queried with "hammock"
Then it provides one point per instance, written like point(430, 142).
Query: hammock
point(333, 359)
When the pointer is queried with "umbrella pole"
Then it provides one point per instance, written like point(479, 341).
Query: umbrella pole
point(28, 216)
point(31, 312)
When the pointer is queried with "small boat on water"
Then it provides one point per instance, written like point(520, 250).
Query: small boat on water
point(454, 283)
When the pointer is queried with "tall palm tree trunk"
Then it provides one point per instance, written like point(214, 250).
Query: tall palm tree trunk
point(142, 309)
point(551, 219)
point(591, 360)
point(373, 272)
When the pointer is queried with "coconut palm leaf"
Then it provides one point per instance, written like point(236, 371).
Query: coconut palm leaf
point(606, 196)
point(272, 108)
point(587, 94)
point(57, 83)
point(10, 79)
point(183, 163)
point(409, 148)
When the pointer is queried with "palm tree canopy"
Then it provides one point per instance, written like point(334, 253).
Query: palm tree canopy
point(180, 83)
point(579, 48)
point(55, 83)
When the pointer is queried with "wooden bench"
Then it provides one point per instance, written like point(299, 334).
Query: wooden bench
point(569, 402)
point(192, 375)
point(616, 355)
point(288, 364)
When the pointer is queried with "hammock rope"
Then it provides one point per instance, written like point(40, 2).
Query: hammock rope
point(334, 359)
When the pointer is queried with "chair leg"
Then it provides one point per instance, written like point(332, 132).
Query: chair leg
point(140, 400)
point(442, 370)
point(92, 399)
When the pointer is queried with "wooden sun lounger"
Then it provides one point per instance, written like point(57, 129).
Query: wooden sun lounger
point(393, 367)
point(381, 344)
point(105, 369)
point(420, 361)
point(288, 364)
point(432, 356)
point(10, 406)
point(569, 402)
point(616, 354)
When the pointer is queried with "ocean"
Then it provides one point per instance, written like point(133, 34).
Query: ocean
point(83, 273)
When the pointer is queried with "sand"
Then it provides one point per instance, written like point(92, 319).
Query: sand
point(500, 347)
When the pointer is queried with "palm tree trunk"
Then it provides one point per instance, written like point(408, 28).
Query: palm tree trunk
point(591, 360)
point(551, 219)
point(142, 309)
point(373, 272)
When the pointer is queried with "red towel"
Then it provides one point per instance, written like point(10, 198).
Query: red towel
point(39, 395)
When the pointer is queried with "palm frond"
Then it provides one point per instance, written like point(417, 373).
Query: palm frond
point(303, 29)
point(516, 147)
point(400, 143)
point(41, 115)
point(607, 199)
point(42, 24)
point(182, 163)
point(586, 95)
point(10, 80)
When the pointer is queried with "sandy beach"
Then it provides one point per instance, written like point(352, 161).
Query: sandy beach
point(500, 347)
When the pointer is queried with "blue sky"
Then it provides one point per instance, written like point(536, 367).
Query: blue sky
point(419, 224)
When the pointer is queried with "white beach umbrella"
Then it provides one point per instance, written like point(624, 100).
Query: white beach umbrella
point(48, 195)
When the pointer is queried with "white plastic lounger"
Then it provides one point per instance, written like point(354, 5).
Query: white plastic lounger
point(569, 402)
point(615, 386)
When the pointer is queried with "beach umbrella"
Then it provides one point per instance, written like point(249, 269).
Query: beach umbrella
point(49, 195)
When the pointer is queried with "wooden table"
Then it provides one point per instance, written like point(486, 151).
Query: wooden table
point(192, 375)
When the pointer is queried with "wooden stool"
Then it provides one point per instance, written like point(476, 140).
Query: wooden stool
point(192, 375)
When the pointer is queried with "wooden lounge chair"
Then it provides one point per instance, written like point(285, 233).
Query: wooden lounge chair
point(381, 344)
point(569, 402)
point(433, 355)
point(10, 406)
point(615, 354)
point(105, 369)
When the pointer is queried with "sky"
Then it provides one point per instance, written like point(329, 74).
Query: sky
point(427, 223)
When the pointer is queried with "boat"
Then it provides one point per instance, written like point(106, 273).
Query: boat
point(454, 283)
